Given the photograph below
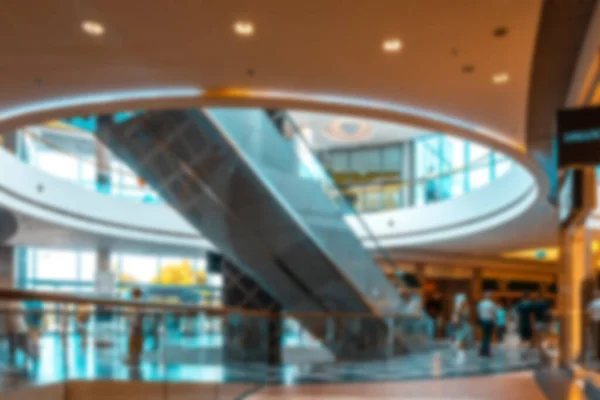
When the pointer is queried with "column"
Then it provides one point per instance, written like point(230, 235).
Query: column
point(476, 285)
point(409, 173)
point(103, 175)
point(7, 269)
point(248, 338)
point(106, 281)
point(571, 286)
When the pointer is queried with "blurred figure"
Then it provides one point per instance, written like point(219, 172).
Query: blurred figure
point(431, 189)
point(424, 324)
point(16, 330)
point(501, 321)
point(84, 311)
point(35, 322)
point(136, 331)
point(462, 327)
point(541, 320)
point(523, 312)
point(593, 312)
point(486, 314)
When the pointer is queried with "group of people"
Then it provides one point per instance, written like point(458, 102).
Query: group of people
point(529, 318)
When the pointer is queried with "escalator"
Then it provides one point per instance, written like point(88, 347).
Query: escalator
point(250, 184)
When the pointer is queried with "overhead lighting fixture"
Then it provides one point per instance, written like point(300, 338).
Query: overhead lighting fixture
point(392, 45)
point(500, 79)
point(243, 28)
point(92, 28)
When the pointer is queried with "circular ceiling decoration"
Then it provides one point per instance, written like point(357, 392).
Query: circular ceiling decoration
point(348, 130)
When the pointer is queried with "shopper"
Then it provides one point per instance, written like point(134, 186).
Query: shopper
point(523, 312)
point(16, 329)
point(541, 319)
point(136, 332)
point(593, 311)
point(501, 321)
point(462, 326)
point(486, 314)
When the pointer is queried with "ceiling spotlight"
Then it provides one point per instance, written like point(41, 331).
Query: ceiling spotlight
point(92, 28)
point(392, 45)
point(500, 78)
point(243, 28)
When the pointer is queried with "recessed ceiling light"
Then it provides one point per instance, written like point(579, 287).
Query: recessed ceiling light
point(500, 78)
point(392, 45)
point(92, 28)
point(243, 28)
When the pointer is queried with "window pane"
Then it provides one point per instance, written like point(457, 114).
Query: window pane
point(138, 269)
point(338, 160)
point(391, 159)
point(365, 161)
point(478, 155)
point(88, 266)
point(479, 177)
point(502, 167)
point(56, 265)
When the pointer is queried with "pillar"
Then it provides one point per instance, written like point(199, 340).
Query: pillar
point(7, 270)
point(106, 281)
point(103, 175)
point(476, 285)
point(409, 173)
point(248, 338)
point(571, 285)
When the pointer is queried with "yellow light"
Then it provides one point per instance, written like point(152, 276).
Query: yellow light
point(243, 28)
point(92, 28)
point(595, 246)
point(500, 78)
point(392, 45)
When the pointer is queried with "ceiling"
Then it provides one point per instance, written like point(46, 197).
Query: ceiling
point(299, 47)
point(325, 131)
point(306, 46)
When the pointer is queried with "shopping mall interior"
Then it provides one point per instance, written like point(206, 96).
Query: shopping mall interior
point(300, 199)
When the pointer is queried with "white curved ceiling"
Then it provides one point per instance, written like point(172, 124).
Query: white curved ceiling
point(309, 46)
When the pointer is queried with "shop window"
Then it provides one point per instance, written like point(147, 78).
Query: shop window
point(523, 286)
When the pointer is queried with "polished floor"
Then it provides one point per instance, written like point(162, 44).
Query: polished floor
point(192, 360)
point(513, 386)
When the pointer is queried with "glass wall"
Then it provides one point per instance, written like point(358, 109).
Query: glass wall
point(72, 156)
point(422, 171)
point(74, 271)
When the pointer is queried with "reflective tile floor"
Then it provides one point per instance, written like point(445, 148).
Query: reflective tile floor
point(189, 360)
point(513, 386)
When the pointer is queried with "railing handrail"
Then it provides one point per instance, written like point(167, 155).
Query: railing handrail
point(51, 297)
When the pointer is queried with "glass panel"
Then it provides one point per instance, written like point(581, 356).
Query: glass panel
point(138, 269)
point(338, 161)
point(365, 161)
point(502, 167)
point(88, 266)
point(478, 155)
point(56, 265)
point(479, 177)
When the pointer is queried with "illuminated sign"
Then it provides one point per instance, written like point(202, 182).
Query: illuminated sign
point(579, 137)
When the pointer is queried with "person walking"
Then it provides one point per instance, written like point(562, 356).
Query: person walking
point(486, 313)
point(523, 311)
point(501, 322)
point(462, 327)
point(136, 332)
